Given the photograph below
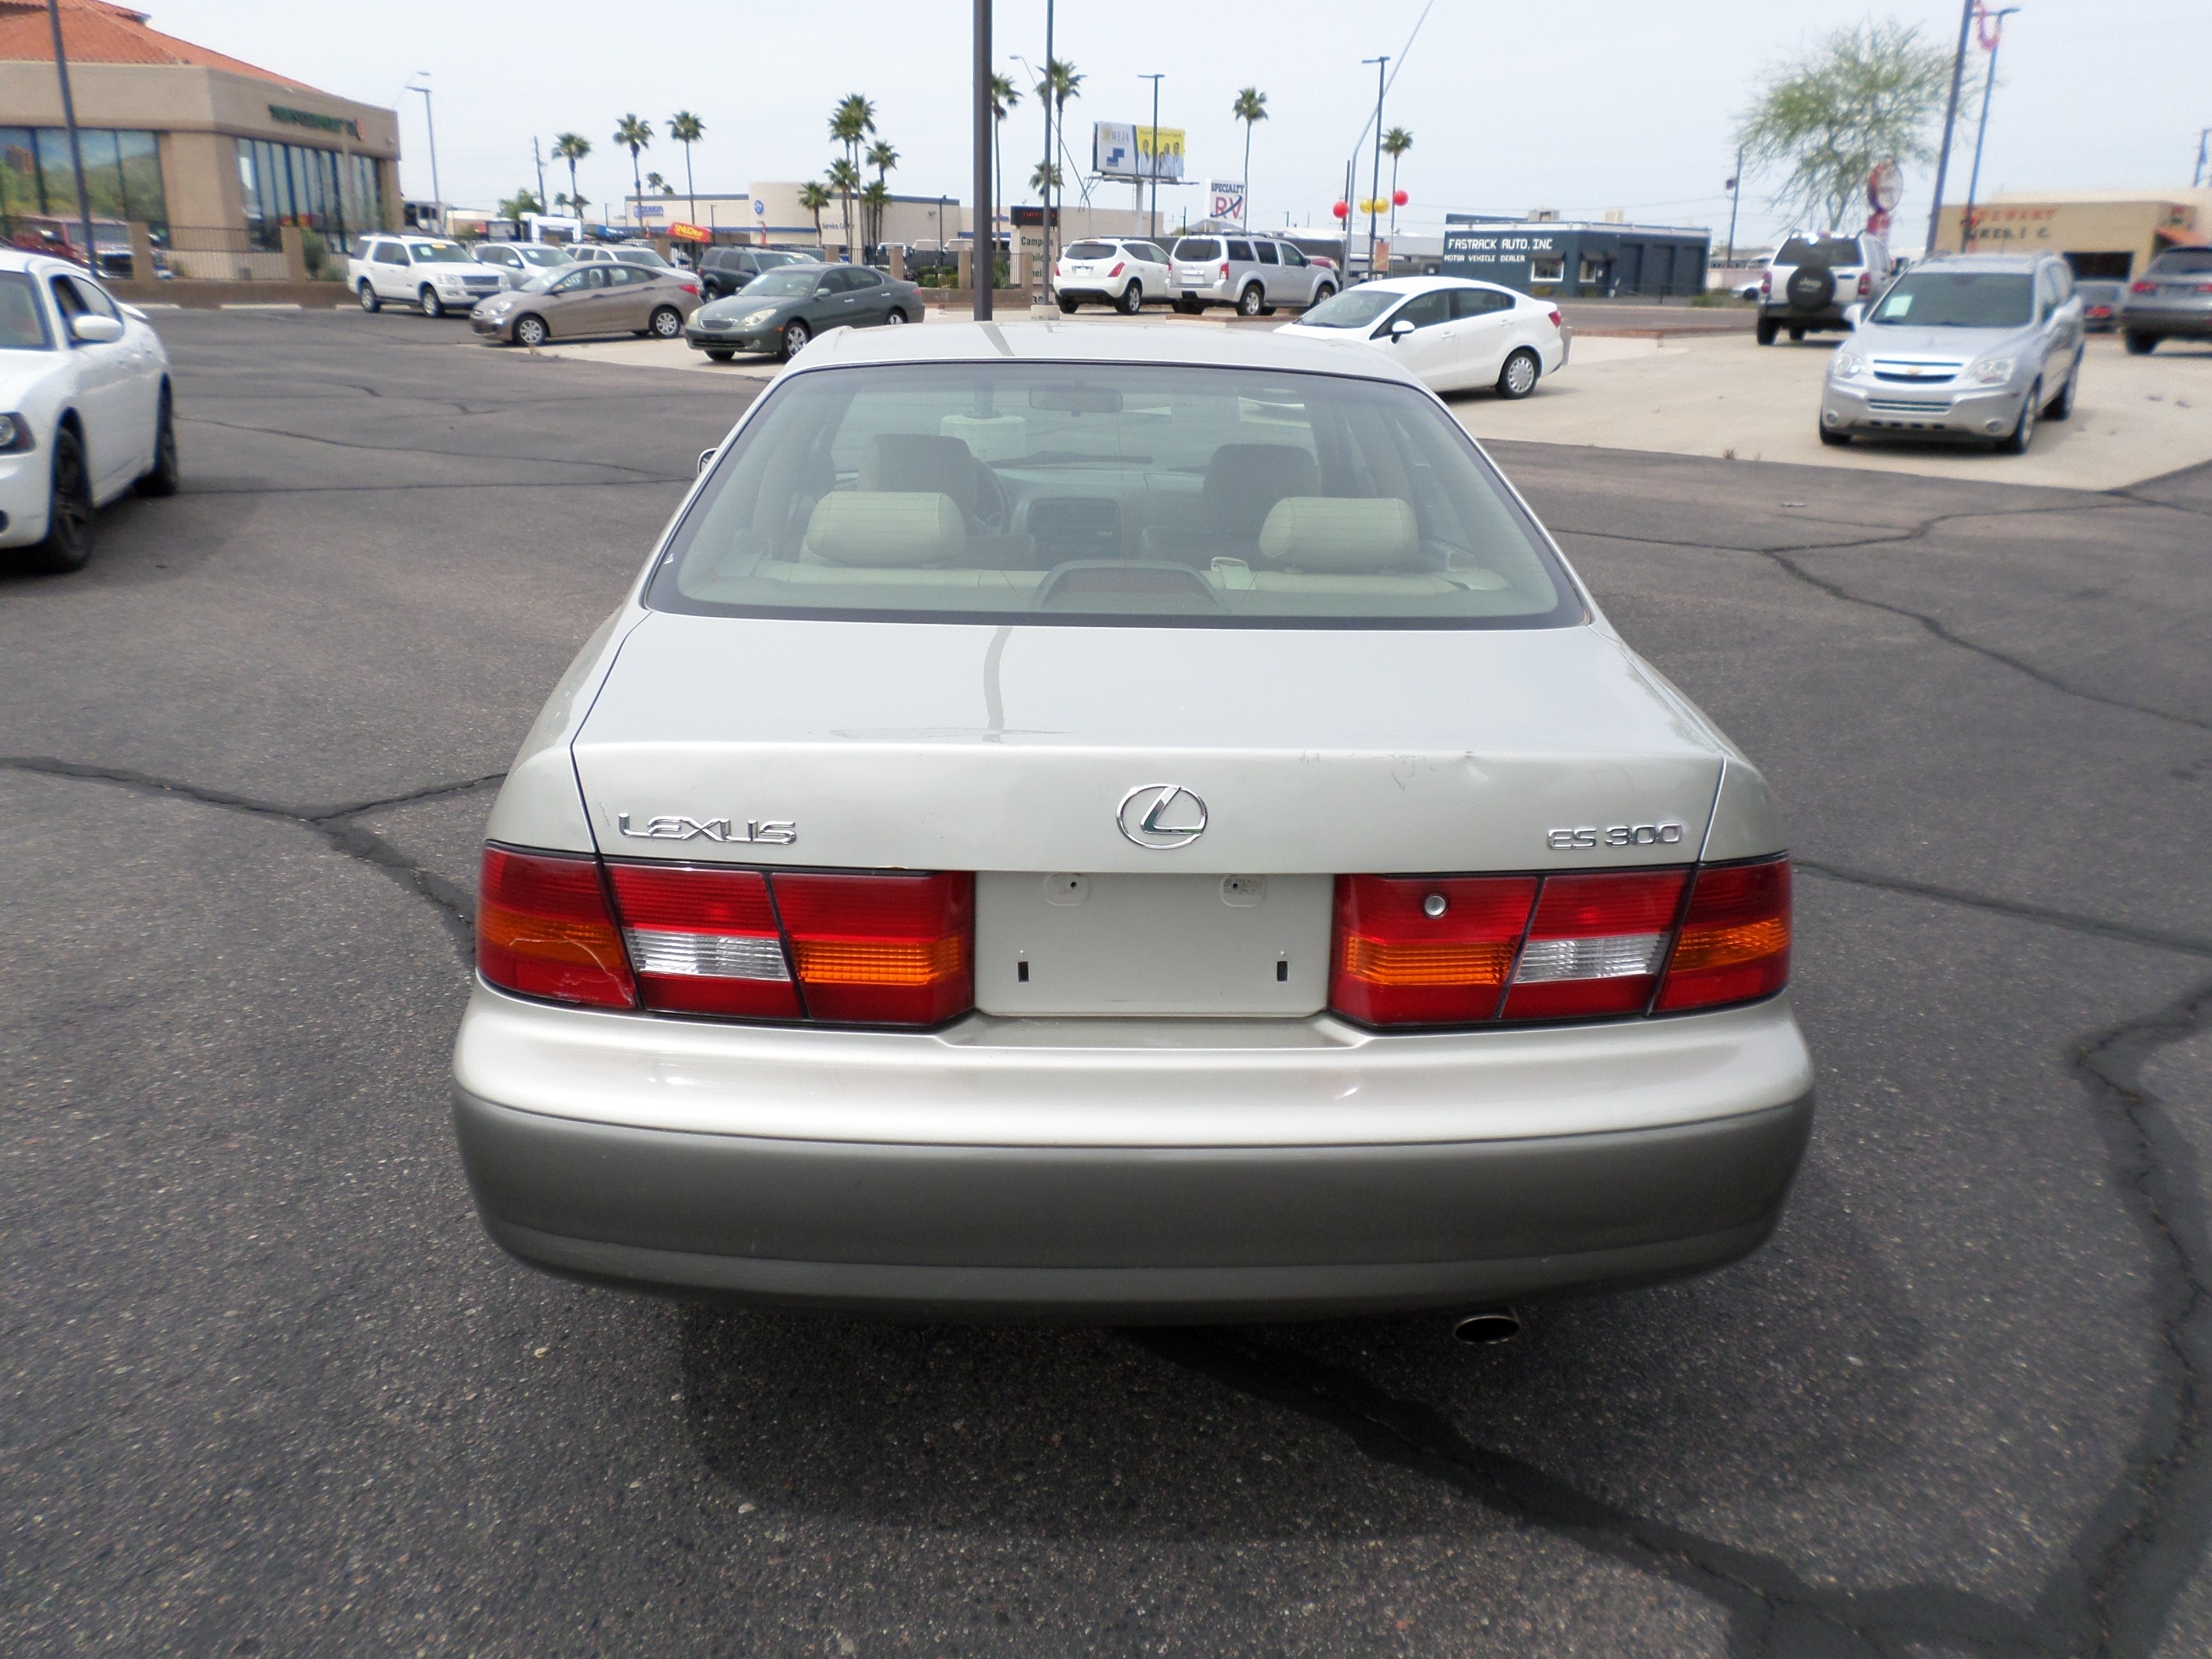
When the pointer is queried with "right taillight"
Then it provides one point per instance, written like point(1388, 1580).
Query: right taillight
point(1734, 942)
point(542, 929)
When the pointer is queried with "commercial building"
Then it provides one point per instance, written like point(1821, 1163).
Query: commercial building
point(218, 159)
point(1577, 260)
point(2106, 232)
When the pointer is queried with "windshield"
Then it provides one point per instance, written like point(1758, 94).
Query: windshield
point(1198, 247)
point(1959, 299)
point(439, 253)
point(22, 321)
point(1838, 250)
point(2183, 262)
point(783, 284)
point(1132, 494)
point(544, 256)
point(1355, 309)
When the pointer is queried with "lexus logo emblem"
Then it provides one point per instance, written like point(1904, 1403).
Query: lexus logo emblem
point(1162, 816)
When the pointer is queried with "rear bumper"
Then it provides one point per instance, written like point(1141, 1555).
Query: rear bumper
point(1131, 1197)
point(2141, 320)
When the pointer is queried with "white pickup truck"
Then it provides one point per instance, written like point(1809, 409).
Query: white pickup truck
point(427, 271)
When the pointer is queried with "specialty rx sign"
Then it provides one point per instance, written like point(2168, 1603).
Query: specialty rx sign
point(1496, 256)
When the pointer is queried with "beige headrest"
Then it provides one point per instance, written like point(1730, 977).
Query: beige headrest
point(886, 528)
point(1347, 533)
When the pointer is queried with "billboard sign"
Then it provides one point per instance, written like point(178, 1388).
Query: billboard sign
point(1120, 151)
point(1225, 200)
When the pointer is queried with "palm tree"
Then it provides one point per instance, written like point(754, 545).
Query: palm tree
point(844, 179)
point(1250, 108)
point(1059, 83)
point(850, 123)
point(884, 159)
point(1395, 142)
point(637, 135)
point(659, 185)
point(814, 195)
point(874, 199)
point(572, 148)
point(1004, 94)
point(1044, 178)
point(687, 129)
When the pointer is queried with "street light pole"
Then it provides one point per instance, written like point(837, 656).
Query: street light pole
point(1155, 216)
point(437, 192)
point(1735, 197)
point(1982, 128)
point(76, 149)
point(1950, 119)
point(983, 240)
point(1044, 229)
point(1374, 184)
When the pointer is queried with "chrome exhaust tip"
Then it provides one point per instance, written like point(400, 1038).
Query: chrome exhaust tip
point(1486, 1328)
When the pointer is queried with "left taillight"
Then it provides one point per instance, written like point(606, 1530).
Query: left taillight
point(544, 930)
point(1595, 944)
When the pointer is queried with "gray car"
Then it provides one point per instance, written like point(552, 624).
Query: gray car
point(1971, 346)
point(2172, 300)
point(592, 297)
point(1254, 274)
point(1122, 825)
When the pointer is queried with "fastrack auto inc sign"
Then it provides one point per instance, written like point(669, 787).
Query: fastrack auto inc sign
point(1498, 257)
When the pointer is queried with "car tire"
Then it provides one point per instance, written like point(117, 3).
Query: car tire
point(2062, 404)
point(163, 477)
point(1518, 376)
point(1067, 305)
point(719, 354)
point(1323, 294)
point(67, 543)
point(895, 318)
point(1132, 298)
point(2015, 442)
point(796, 334)
point(666, 323)
point(1252, 301)
point(1796, 335)
point(1768, 328)
point(2141, 345)
point(433, 307)
point(369, 301)
point(531, 330)
point(1835, 440)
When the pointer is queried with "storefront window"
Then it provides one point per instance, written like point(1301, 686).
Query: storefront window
point(122, 175)
point(318, 190)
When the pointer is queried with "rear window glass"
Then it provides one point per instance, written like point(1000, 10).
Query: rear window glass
point(1198, 247)
point(1959, 299)
point(1092, 250)
point(1839, 250)
point(1140, 495)
point(2183, 262)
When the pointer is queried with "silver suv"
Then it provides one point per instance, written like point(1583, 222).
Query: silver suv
point(2171, 299)
point(1976, 345)
point(1810, 279)
point(1255, 274)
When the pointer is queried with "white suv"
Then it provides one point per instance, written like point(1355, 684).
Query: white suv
point(1810, 279)
point(430, 272)
point(1255, 274)
point(1110, 271)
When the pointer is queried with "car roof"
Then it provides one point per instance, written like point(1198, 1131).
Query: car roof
point(18, 259)
point(1055, 343)
point(1428, 284)
point(2011, 263)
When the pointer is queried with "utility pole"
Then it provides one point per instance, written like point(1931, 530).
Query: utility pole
point(1735, 196)
point(1155, 215)
point(1044, 229)
point(1950, 120)
point(437, 191)
point(1344, 271)
point(2198, 177)
point(76, 149)
point(983, 240)
point(1375, 185)
point(1996, 24)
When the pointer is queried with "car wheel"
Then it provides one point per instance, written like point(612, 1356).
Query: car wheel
point(719, 354)
point(1324, 293)
point(1067, 305)
point(2015, 442)
point(1517, 378)
point(796, 334)
point(530, 331)
point(895, 319)
point(163, 477)
point(1767, 330)
point(1251, 301)
point(428, 299)
point(2062, 404)
point(2141, 345)
point(67, 544)
point(369, 300)
point(1132, 298)
point(666, 323)
point(1835, 440)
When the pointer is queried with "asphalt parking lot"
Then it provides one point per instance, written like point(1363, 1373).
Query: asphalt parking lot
point(268, 1389)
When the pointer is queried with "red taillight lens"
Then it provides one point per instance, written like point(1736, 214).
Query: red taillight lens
point(542, 929)
point(2143, 288)
point(1735, 945)
point(704, 941)
point(1866, 283)
point(1595, 944)
point(689, 288)
point(1119, 267)
point(1766, 281)
point(1415, 950)
point(1224, 267)
point(881, 950)
point(1555, 319)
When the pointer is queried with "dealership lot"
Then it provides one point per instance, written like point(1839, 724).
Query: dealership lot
point(271, 1390)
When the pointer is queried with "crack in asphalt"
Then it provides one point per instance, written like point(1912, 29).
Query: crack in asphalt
point(412, 449)
point(2074, 920)
point(338, 825)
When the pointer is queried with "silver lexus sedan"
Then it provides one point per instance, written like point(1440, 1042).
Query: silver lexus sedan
point(1103, 825)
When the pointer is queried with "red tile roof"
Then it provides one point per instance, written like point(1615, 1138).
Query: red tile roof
point(94, 32)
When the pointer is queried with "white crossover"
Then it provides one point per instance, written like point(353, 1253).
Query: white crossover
point(1104, 825)
point(85, 409)
point(1123, 273)
point(1452, 334)
point(436, 276)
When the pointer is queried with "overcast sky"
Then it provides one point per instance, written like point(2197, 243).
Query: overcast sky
point(1601, 104)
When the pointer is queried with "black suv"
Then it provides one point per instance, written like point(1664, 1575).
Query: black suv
point(1809, 280)
point(726, 270)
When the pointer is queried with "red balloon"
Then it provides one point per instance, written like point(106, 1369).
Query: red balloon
point(1342, 210)
point(1399, 199)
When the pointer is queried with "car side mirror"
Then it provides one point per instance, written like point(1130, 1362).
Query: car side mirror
point(1853, 314)
point(1400, 329)
point(88, 328)
point(706, 458)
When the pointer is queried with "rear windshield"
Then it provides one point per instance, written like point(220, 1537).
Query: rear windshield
point(1959, 299)
point(1140, 495)
point(2183, 262)
point(1092, 250)
point(1839, 250)
point(1355, 309)
point(1198, 247)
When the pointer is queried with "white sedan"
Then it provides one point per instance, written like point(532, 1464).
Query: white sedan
point(85, 410)
point(1199, 854)
point(1454, 334)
